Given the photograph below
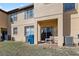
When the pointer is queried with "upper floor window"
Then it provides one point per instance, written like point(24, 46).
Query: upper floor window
point(15, 30)
point(29, 14)
point(69, 6)
point(13, 17)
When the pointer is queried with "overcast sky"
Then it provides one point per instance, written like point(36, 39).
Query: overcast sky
point(10, 6)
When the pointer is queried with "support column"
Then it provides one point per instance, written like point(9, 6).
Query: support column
point(35, 33)
point(39, 32)
point(60, 31)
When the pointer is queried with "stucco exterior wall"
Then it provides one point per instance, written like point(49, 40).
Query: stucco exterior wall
point(20, 24)
point(75, 27)
point(67, 22)
point(3, 20)
point(42, 9)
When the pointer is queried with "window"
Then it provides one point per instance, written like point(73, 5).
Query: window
point(69, 6)
point(15, 30)
point(29, 30)
point(13, 17)
point(28, 14)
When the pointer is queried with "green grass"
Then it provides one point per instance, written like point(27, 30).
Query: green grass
point(21, 49)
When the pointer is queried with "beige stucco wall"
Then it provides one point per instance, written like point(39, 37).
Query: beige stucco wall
point(3, 20)
point(75, 27)
point(20, 24)
point(67, 22)
point(42, 9)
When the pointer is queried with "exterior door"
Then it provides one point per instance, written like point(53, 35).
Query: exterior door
point(29, 34)
point(4, 34)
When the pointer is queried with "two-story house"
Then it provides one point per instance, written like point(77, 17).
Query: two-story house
point(42, 22)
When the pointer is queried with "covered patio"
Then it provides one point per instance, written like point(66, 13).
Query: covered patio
point(48, 31)
point(52, 27)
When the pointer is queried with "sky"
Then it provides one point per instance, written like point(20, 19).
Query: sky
point(10, 6)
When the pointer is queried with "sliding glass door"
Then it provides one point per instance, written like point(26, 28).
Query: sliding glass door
point(46, 32)
point(29, 34)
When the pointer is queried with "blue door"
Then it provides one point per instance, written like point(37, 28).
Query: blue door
point(29, 34)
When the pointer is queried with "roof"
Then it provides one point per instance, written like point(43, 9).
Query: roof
point(4, 11)
point(18, 9)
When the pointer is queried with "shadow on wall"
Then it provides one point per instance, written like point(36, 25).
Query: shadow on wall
point(67, 21)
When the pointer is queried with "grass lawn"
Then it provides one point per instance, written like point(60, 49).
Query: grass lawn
point(21, 49)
